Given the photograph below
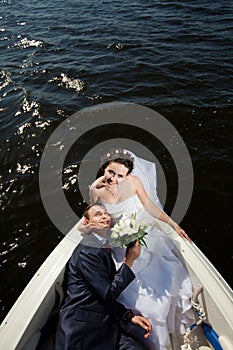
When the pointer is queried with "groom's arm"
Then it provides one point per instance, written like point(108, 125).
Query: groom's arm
point(130, 320)
point(97, 274)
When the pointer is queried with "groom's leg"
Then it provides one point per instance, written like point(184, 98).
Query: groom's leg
point(128, 343)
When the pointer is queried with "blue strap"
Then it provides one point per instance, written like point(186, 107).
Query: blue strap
point(211, 336)
point(192, 326)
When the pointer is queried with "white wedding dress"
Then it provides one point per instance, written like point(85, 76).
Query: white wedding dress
point(162, 288)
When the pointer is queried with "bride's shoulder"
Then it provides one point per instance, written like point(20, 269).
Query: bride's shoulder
point(134, 180)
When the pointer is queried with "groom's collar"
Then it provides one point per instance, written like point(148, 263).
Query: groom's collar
point(102, 239)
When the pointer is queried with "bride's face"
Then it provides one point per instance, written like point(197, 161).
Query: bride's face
point(115, 173)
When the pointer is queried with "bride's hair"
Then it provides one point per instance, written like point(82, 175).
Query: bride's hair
point(116, 155)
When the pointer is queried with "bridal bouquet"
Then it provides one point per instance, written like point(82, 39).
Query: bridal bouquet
point(127, 230)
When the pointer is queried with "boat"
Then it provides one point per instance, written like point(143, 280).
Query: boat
point(31, 322)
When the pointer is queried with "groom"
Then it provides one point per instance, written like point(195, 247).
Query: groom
point(90, 317)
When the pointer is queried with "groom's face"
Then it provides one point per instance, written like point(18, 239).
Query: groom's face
point(99, 216)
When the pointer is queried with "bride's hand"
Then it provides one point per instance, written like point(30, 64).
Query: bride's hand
point(99, 183)
point(85, 227)
point(182, 233)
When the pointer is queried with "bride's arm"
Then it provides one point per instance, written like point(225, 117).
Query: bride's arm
point(95, 186)
point(93, 194)
point(155, 211)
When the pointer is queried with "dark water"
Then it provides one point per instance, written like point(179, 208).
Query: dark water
point(58, 57)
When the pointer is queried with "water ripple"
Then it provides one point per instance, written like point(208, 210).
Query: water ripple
point(5, 79)
point(68, 83)
point(24, 43)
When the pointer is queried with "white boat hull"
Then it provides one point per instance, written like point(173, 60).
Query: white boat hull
point(21, 329)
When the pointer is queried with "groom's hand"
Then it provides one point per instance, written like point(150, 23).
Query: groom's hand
point(132, 254)
point(144, 323)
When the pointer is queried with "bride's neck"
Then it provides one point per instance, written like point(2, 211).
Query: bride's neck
point(113, 190)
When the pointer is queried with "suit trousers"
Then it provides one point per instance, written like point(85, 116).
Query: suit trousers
point(128, 343)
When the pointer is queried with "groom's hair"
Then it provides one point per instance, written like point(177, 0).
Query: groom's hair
point(86, 210)
point(126, 162)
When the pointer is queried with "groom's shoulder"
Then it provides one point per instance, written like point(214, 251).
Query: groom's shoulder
point(89, 241)
point(88, 246)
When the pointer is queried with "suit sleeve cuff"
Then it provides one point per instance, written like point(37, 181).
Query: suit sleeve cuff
point(127, 270)
point(128, 315)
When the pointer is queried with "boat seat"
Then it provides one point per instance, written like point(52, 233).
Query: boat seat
point(225, 342)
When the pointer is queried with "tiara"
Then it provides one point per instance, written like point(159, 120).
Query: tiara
point(115, 153)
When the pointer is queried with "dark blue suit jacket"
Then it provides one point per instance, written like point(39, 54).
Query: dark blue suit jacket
point(90, 315)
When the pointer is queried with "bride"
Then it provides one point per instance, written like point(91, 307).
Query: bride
point(162, 288)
